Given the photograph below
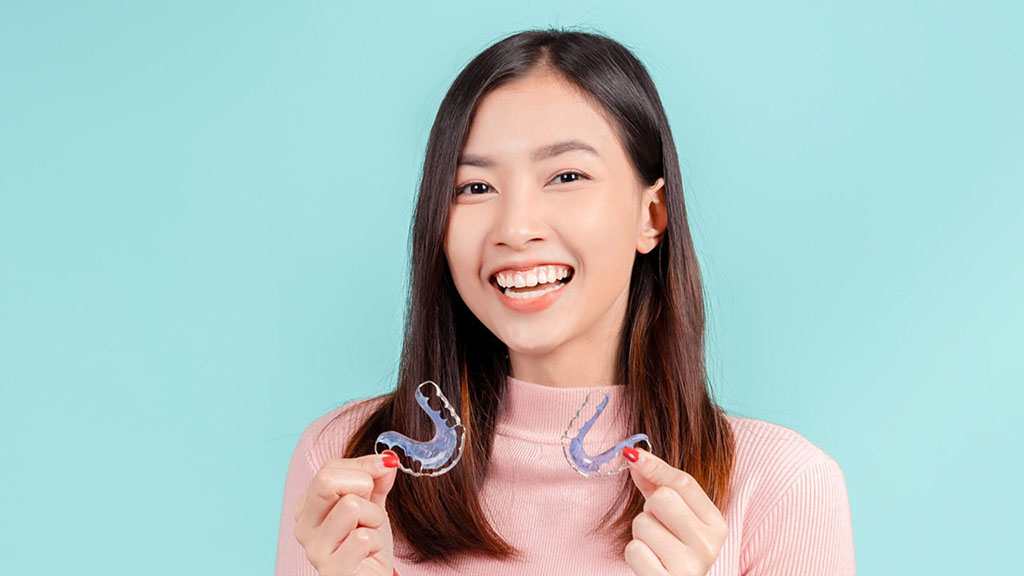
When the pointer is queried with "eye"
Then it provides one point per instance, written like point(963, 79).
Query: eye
point(478, 188)
point(481, 188)
point(577, 175)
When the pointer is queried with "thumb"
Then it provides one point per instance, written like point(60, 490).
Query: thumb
point(384, 480)
point(648, 471)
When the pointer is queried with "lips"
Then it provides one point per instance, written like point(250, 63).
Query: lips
point(534, 299)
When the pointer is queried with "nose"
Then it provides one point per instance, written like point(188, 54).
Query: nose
point(522, 217)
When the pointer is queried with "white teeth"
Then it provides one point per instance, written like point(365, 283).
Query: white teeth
point(530, 278)
point(533, 293)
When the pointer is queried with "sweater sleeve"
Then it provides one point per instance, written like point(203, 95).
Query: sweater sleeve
point(808, 530)
point(291, 557)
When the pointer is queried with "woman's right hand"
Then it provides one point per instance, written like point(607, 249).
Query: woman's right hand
point(340, 519)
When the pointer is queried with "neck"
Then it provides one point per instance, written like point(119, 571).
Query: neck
point(565, 368)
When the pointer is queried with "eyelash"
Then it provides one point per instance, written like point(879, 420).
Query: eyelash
point(458, 190)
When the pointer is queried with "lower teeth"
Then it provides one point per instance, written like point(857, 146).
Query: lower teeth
point(532, 293)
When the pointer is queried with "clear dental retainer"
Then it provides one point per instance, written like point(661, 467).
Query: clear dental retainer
point(607, 463)
point(437, 455)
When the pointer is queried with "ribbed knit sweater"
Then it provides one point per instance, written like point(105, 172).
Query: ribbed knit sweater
point(788, 511)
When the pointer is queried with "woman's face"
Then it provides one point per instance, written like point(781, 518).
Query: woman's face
point(521, 209)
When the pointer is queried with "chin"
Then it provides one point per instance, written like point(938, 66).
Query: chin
point(532, 346)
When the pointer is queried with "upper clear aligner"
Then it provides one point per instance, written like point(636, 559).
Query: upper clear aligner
point(437, 455)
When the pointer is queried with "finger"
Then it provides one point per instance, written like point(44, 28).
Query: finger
point(349, 513)
point(382, 484)
point(337, 478)
point(643, 561)
point(652, 470)
point(352, 511)
point(645, 486)
point(649, 472)
point(360, 544)
point(671, 510)
point(671, 552)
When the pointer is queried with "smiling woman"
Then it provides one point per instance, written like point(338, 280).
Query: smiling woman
point(525, 137)
point(552, 260)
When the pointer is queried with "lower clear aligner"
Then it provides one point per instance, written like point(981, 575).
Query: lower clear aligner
point(606, 463)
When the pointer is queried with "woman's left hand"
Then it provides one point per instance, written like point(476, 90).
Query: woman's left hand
point(680, 532)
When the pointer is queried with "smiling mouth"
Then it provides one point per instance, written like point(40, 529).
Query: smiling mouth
point(533, 291)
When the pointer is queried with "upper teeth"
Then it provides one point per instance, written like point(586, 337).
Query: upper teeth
point(532, 277)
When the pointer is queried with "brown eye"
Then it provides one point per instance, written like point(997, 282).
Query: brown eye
point(572, 173)
point(476, 187)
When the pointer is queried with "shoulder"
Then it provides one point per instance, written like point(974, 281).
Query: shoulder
point(327, 436)
point(773, 461)
point(791, 507)
point(760, 436)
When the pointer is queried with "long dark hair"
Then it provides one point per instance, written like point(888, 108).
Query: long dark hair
point(661, 357)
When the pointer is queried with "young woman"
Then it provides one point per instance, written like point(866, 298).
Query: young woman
point(551, 161)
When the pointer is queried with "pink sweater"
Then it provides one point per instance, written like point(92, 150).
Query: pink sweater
point(789, 514)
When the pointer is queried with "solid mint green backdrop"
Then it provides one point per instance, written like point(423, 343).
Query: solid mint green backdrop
point(204, 212)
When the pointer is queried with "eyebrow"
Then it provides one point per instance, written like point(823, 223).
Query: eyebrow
point(539, 154)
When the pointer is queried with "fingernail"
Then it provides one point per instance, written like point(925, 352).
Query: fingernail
point(390, 459)
point(631, 454)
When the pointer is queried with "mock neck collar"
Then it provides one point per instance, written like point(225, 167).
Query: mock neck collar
point(541, 413)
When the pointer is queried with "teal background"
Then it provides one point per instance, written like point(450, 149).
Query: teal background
point(204, 212)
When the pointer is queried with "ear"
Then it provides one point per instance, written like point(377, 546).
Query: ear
point(653, 217)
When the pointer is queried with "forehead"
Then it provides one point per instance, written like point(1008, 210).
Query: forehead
point(538, 109)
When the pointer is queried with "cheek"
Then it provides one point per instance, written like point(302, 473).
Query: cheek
point(603, 237)
point(462, 246)
point(604, 234)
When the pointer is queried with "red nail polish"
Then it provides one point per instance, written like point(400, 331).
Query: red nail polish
point(390, 459)
point(630, 453)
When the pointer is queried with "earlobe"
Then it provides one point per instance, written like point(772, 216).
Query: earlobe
point(655, 217)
